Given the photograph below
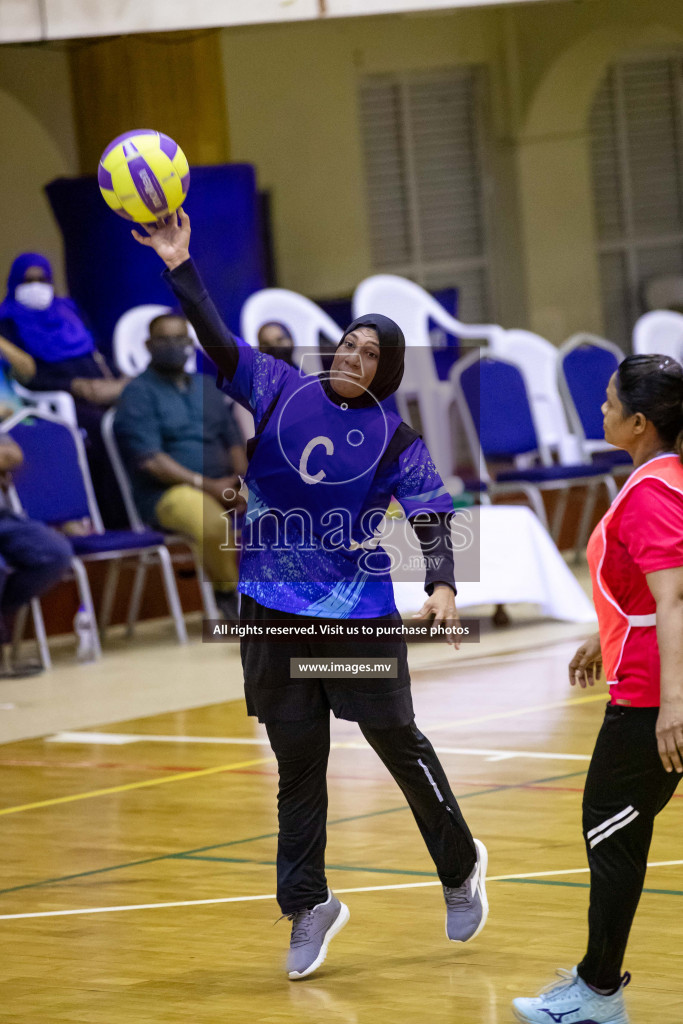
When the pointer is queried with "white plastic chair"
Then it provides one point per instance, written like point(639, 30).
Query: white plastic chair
point(537, 359)
point(301, 316)
point(56, 403)
point(659, 333)
point(131, 354)
point(412, 307)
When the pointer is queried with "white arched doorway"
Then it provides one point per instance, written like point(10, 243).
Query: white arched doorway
point(636, 144)
point(563, 258)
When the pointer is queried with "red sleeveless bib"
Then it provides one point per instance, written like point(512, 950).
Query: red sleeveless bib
point(618, 628)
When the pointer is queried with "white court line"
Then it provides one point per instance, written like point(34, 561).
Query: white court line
point(490, 755)
point(118, 739)
point(474, 661)
point(271, 896)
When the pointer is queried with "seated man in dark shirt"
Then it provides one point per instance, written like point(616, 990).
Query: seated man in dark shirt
point(184, 452)
point(33, 558)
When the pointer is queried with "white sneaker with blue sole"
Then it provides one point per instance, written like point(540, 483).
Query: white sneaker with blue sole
point(572, 1001)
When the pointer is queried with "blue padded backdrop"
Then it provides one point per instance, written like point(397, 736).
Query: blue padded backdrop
point(108, 272)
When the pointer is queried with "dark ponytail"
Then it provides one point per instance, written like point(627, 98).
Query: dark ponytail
point(653, 386)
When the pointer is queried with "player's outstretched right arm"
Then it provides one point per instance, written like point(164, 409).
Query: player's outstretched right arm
point(171, 241)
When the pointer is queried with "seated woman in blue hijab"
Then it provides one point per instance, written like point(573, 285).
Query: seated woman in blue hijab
point(50, 330)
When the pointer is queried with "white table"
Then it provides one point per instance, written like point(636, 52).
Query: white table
point(518, 562)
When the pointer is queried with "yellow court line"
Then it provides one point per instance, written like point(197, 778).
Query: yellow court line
point(592, 698)
point(135, 785)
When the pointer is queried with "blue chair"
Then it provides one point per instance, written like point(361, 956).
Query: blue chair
point(53, 486)
point(135, 520)
point(585, 364)
point(498, 419)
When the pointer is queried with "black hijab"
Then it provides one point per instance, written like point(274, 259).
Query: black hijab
point(389, 369)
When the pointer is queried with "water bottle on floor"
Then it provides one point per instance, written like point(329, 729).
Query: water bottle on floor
point(85, 629)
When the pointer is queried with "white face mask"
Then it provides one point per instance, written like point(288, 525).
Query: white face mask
point(34, 294)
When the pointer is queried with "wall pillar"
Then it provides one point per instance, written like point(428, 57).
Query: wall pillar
point(557, 213)
point(172, 82)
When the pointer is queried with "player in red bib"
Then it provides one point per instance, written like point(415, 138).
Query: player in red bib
point(635, 557)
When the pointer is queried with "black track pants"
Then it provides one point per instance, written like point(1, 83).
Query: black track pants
point(302, 749)
point(626, 788)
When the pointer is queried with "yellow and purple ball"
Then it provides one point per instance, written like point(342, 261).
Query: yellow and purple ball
point(143, 175)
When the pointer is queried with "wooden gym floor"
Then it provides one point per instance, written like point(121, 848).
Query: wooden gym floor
point(137, 865)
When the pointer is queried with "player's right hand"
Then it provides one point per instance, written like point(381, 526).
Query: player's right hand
point(586, 665)
point(169, 238)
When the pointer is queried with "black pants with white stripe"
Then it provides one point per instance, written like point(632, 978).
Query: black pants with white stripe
point(302, 750)
point(626, 788)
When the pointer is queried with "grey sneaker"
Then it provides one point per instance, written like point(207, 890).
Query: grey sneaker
point(467, 906)
point(311, 934)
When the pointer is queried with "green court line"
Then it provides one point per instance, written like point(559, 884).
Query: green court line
point(665, 892)
point(272, 835)
point(581, 885)
point(424, 874)
point(84, 874)
point(328, 867)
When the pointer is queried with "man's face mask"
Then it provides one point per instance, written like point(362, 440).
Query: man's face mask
point(170, 353)
point(285, 353)
point(35, 294)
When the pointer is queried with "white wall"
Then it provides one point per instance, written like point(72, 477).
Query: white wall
point(292, 97)
point(22, 20)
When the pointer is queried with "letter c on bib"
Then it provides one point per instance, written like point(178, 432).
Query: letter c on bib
point(306, 454)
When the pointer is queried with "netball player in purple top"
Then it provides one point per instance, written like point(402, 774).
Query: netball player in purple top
point(324, 465)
